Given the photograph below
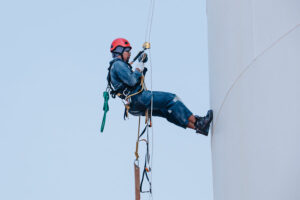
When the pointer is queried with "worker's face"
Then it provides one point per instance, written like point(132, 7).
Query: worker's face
point(126, 54)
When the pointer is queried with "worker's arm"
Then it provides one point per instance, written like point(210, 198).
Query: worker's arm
point(126, 75)
point(142, 59)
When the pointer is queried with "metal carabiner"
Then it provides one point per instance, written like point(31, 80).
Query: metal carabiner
point(126, 92)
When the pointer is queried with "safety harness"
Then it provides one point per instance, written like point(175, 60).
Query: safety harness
point(125, 91)
point(121, 92)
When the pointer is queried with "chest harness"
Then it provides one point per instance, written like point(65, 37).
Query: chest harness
point(124, 92)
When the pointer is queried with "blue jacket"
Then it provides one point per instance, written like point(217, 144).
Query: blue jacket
point(122, 76)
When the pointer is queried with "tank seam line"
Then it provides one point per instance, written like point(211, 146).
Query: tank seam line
point(248, 67)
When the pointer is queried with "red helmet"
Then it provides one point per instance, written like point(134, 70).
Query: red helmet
point(119, 42)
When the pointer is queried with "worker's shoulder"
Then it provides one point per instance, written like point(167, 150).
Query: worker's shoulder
point(117, 63)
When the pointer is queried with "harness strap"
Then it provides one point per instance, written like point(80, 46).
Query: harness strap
point(137, 141)
point(141, 90)
point(114, 92)
point(146, 169)
point(136, 153)
point(144, 131)
point(127, 106)
point(146, 116)
point(145, 172)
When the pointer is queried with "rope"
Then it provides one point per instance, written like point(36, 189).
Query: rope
point(150, 20)
point(142, 88)
point(151, 112)
point(147, 39)
point(137, 141)
point(249, 66)
point(148, 120)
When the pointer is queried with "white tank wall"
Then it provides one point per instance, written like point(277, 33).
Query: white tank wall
point(254, 60)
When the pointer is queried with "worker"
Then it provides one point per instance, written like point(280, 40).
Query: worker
point(125, 82)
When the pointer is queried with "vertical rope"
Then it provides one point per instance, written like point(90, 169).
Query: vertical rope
point(149, 21)
point(148, 39)
point(149, 156)
point(152, 132)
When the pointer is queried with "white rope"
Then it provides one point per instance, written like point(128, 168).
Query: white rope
point(151, 111)
point(149, 21)
point(147, 39)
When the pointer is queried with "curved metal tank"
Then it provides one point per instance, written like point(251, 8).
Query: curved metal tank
point(254, 61)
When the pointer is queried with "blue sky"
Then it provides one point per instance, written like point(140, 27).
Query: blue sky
point(53, 60)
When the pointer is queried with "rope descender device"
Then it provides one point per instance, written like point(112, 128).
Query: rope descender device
point(146, 46)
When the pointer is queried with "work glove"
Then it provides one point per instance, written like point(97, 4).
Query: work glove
point(143, 58)
point(140, 66)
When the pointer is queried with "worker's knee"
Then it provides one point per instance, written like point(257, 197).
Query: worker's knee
point(178, 113)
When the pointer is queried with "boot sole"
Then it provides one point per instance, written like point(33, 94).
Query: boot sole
point(202, 133)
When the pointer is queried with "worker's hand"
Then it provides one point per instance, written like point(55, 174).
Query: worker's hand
point(143, 58)
point(139, 66)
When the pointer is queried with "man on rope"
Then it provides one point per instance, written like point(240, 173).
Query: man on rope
point(128, 85)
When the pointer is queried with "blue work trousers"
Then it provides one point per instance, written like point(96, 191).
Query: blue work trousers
point(165, 104)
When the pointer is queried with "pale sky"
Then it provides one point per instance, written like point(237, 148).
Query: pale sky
point(53, 60)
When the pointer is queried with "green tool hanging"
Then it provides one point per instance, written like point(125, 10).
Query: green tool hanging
point(105, 109)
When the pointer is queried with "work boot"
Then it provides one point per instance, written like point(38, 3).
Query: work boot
point(202, 124)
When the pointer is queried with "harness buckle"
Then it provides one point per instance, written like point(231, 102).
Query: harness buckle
point(126, 92)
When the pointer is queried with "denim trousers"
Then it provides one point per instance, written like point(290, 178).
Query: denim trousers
point(165, 104)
